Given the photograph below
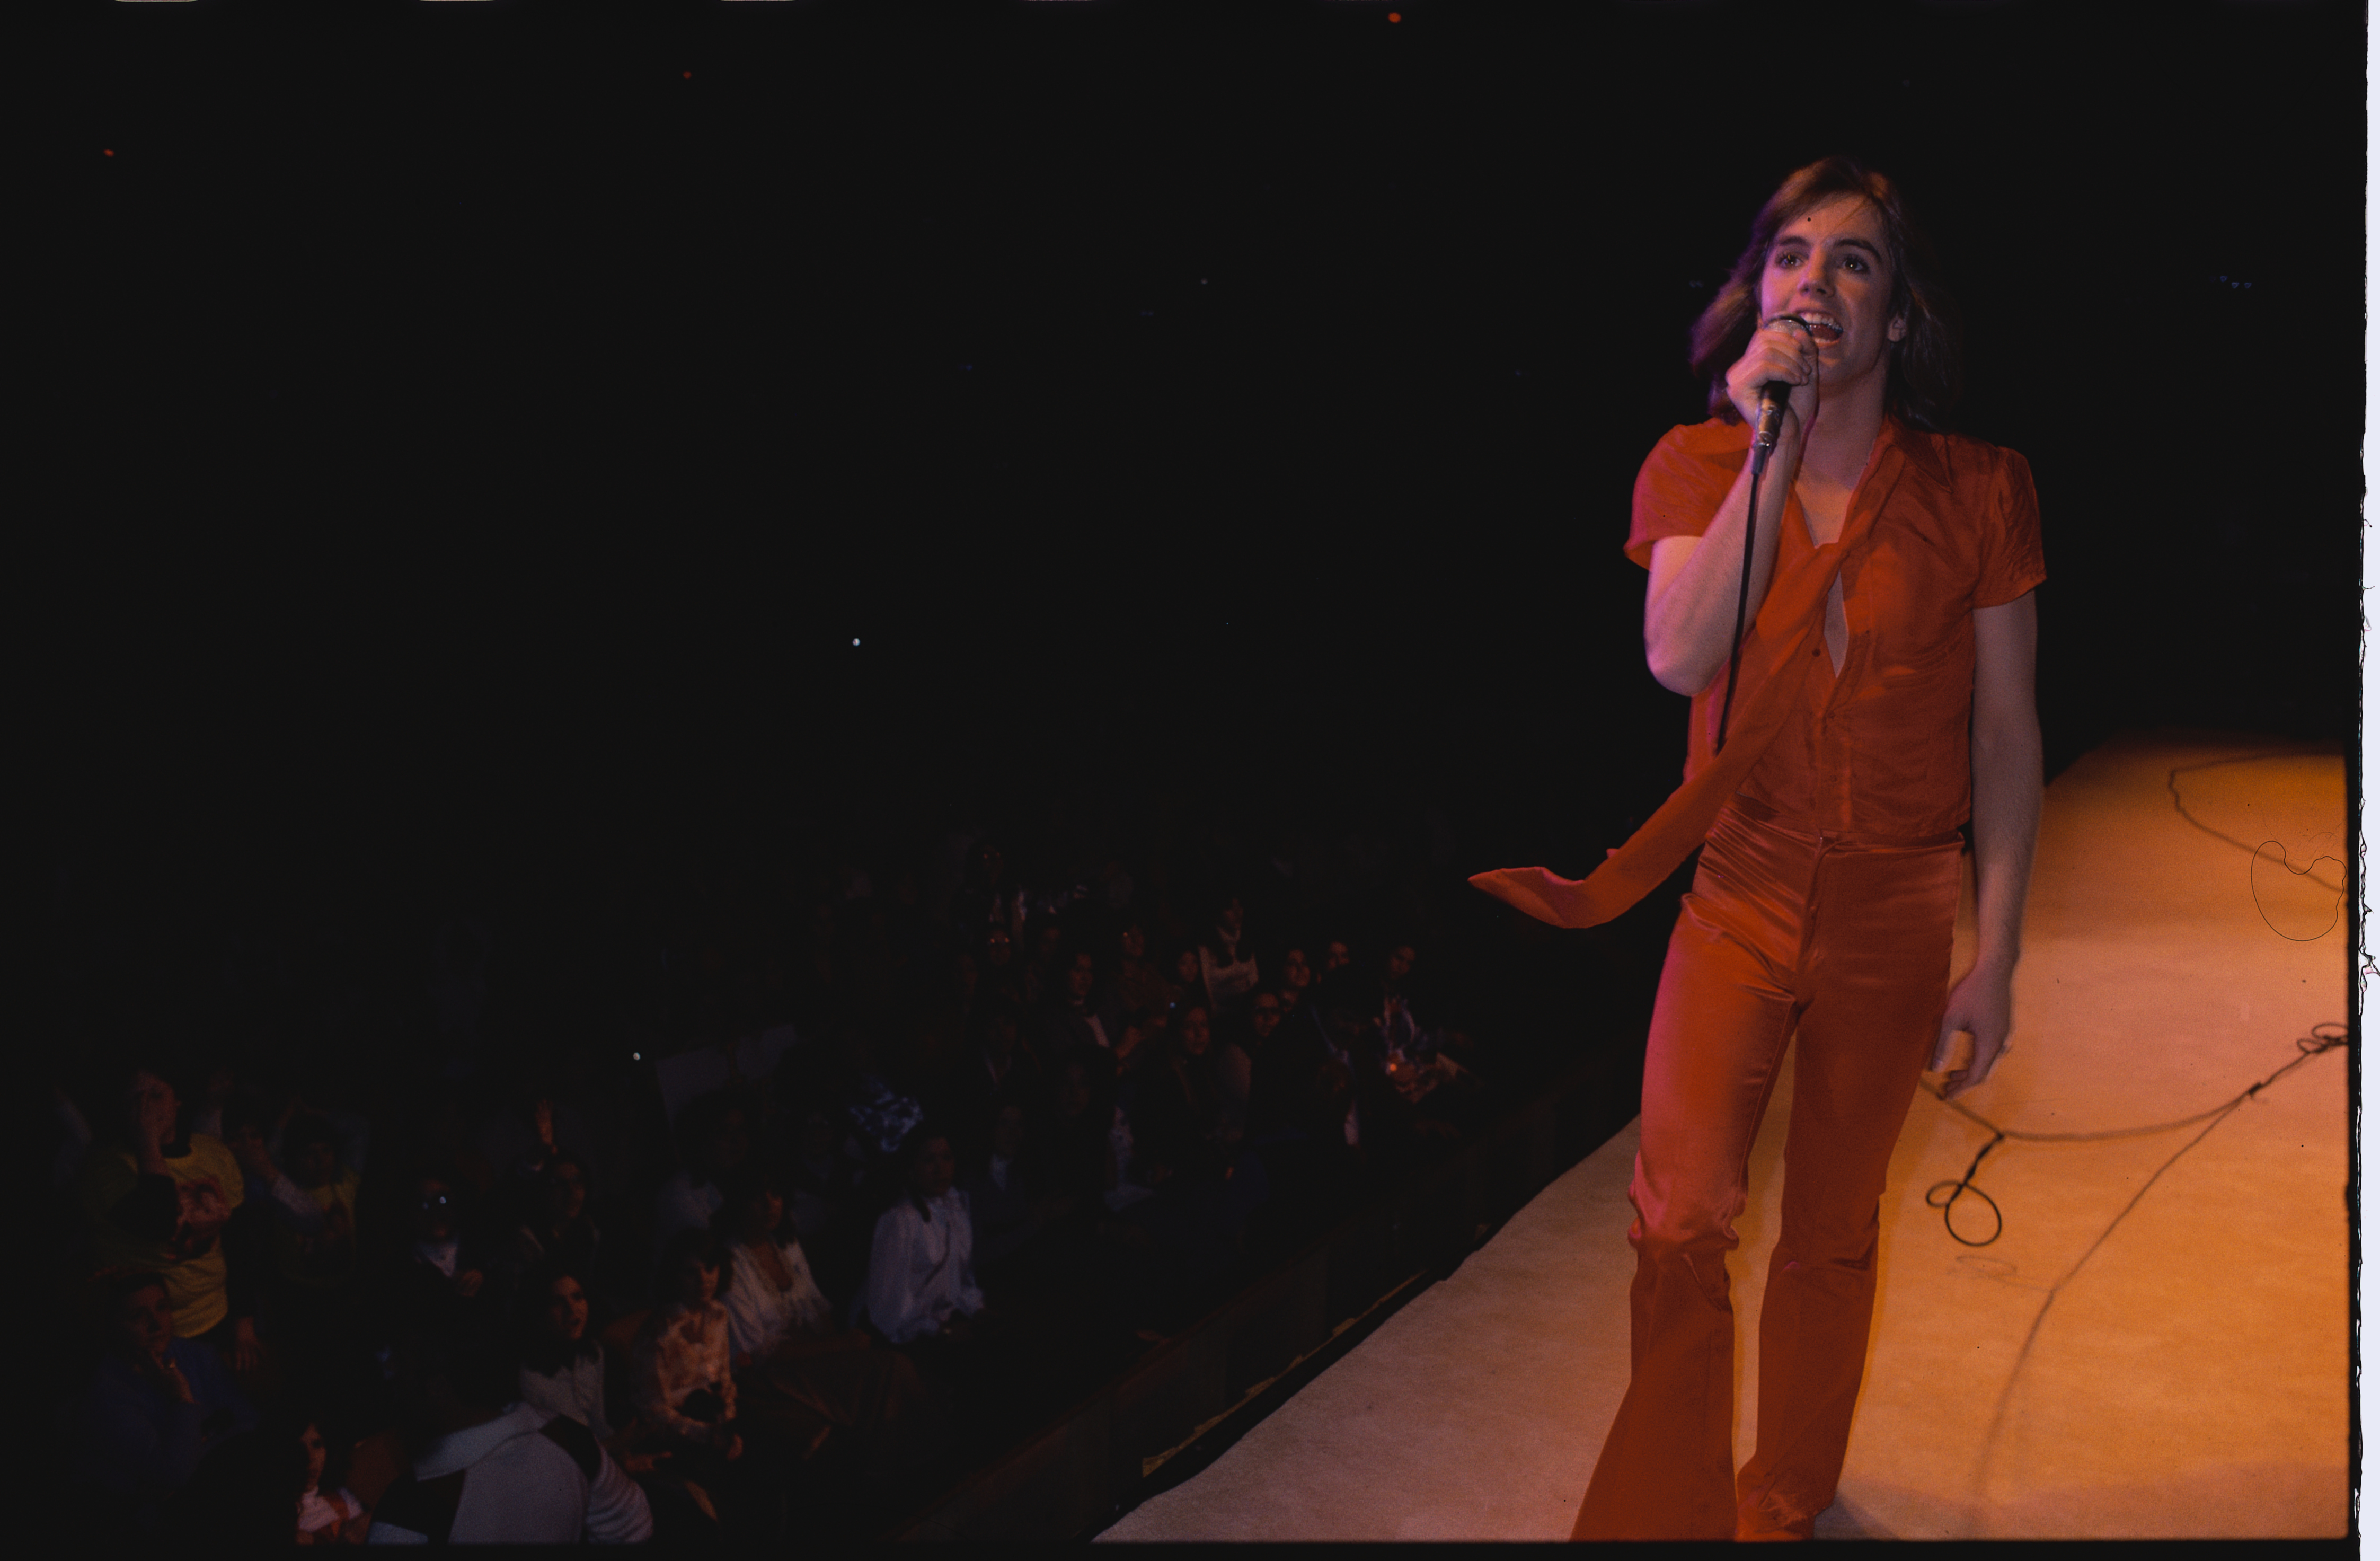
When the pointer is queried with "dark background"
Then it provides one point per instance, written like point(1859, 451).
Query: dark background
point(485, 428)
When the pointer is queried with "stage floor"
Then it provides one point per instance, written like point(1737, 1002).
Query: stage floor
point(2190, 1377)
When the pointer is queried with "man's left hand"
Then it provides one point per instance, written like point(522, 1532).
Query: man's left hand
point(1980, 1006)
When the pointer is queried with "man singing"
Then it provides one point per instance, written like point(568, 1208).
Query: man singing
point(1884, 698)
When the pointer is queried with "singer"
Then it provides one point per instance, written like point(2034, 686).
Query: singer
point(1886, 683)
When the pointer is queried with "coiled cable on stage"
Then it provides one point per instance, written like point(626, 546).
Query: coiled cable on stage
point(1944, 1195)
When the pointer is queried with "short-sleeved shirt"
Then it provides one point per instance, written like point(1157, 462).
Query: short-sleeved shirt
point(207, 1187)
point(1879, 749)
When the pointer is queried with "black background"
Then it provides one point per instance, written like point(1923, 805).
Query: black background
point(487, 422)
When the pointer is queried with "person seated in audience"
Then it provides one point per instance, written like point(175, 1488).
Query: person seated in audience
point(1237, 1059)
point(1177, 1114)
point(326, 1517)
point(713, 1135)
point(1072, 1021)
point(1227, 961)
point(681, 1365)
point(438, 1275)
point(1139, 984)
point(795, 1371)
point(561, 1358)
point(135, 1434)
point(553, 1226)
point(821, 1179)
point(313, 1212)
point(562, 1369)
point(1000, 1201)
point(920, 1270)
point(157, 1196)
point(1296, 978)
point(533, 1128)
point(1076, 1168)
point(998, 1064)
point(484, 1467)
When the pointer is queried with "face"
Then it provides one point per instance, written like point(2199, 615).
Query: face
point(317, 1163)
point(1195, 1033)
point(995, 947)
point(1295, 968)
point(1135, 943)
point(569, 1190)
point(316, 1455)
point(1400, 963)
point(697, 1283)
point(1263, 1013)
point(1078, 979)
point(566, 1311)
point(1008, 1133)
point(761, 1213)
point(153, 1100)
point(1334, 956)
point(433, 1212)
point(145, 1324)
point(931, 1173)
point(1185, 969)
point(1830, 268)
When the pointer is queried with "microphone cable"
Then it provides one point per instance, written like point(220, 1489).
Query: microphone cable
point(1945, 1195)
point(2320, 1038)
point(1751, 523)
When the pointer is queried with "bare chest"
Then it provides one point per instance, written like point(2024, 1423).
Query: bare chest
point(1825, 502)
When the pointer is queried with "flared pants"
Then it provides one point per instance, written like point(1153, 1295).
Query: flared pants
point(1841, 945)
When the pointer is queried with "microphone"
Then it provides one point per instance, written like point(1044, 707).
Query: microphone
point(1773, 396)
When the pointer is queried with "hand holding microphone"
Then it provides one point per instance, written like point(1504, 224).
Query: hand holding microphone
point(1778, 369)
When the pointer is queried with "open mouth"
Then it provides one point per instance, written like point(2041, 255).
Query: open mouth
point(1825, 331)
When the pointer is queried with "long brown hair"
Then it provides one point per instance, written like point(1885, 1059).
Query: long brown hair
point(1923, 371)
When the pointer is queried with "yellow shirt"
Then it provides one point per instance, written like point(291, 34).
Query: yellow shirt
point(191, 1260)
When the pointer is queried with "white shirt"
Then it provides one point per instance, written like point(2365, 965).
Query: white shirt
point(920, 1271)
point(681, 1205)
point(576, 1390)
point(760, 1316)
point(521, 1487)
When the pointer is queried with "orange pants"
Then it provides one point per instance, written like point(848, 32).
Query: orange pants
point(1844, 943)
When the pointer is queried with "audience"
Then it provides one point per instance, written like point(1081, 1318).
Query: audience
point(1098, 1143)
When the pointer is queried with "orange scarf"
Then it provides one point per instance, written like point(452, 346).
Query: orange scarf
point(1780, 654)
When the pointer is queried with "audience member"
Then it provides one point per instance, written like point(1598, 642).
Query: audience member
point(484, 1468)
point(920, 1272)
point(713, 1138)
point(159, 1198)
point(795, 1371)
point(1139, 984)
point(550, 1225)
point(326, 1517)
point(152, 1407)
point(1001, 1208)
point(682, 1367)
point(1072, 1020)
point(1236, 1060)
point(1227, 962)
point(562, 1369)
point(1177, 1115)
point(440, 1277)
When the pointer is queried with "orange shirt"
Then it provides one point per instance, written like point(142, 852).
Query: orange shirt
point(1880, 748)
